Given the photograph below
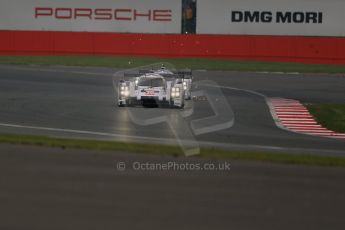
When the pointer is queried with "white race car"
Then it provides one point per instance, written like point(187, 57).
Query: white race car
point(155, 88)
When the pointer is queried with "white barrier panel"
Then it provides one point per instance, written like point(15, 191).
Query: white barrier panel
point(133, 16)
point(271, 17)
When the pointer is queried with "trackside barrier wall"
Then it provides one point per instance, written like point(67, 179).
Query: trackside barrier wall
point(271, 48)
point(310, 31)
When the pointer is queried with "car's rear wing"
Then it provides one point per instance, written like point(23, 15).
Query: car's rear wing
point(180, 72)
point(127, 75)
point(175, 76)
point(145, 71)
point(183, 74)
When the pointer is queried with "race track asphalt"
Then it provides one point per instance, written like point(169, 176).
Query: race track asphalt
point(48, 188)
point(80, 103)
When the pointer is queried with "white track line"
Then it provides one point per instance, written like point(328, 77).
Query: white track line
point(292, 115)
point(84, 132)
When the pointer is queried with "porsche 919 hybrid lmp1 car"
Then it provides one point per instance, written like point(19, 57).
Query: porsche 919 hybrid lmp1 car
point(155, 87)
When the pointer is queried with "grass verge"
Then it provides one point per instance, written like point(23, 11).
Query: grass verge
point(153, 149)
point(331, 116)
point(193, 63)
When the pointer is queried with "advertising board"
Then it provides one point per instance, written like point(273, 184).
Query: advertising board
point(271, 17)
point(121, 16)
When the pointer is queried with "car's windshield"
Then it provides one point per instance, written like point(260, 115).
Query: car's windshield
point(152, 82)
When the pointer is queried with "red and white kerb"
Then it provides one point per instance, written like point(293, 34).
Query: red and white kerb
point(294, 116)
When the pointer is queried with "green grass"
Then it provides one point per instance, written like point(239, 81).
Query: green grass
point(331, 116)
point(282, 158)
point(193, 63)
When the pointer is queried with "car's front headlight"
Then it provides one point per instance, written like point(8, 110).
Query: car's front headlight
point(175, 92)
point(124, 91)
point(185, 85)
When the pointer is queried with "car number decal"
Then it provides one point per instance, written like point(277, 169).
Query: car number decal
point(149, 92)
